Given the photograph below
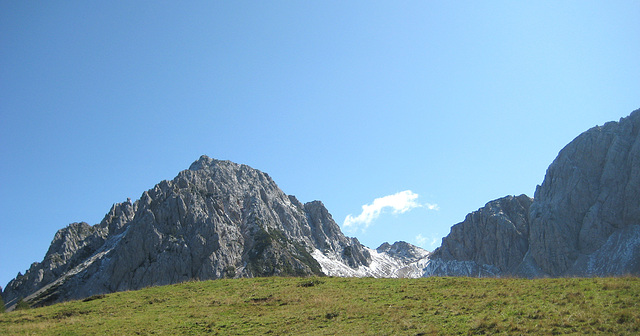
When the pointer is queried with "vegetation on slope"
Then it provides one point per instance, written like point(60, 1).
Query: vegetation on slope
point(348, 306)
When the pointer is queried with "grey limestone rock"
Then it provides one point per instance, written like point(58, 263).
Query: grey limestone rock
point(328, 238)
point(590, 194)
point(583, 221)
point(70, 247)
point(217, 219)
point(490, 241)
point(468, 268)
point(404, 251)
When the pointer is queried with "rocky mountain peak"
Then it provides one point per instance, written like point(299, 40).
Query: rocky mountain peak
point(217, 219)
point(204, 162)
point(403, 250)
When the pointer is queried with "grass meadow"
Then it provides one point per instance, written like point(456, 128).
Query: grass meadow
point(347, 306)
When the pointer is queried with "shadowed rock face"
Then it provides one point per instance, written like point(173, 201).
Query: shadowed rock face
point(494, 235)
point(590, 193)
point(217, 219)
point(583, 221)
point(490, 241)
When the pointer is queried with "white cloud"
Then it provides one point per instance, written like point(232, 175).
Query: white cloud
point(400, 202)
point(431, 206)
point(421, 240)
point(434, 242)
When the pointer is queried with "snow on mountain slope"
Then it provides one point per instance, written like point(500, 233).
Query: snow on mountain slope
point(382, 264)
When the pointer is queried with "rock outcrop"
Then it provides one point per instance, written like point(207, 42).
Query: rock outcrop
point(584, 219)
point(217, 219)
point(490, 241)
point(403, 251)
point(589, 204)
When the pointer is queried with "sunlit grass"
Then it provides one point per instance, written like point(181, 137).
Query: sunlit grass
point(328, 306)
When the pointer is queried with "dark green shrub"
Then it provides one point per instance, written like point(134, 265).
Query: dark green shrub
point(310, 283)
point(230, 272)
point(94, 297)
point(21, 305)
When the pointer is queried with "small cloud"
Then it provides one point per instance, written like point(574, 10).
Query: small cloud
point(431, 206)
point(420, 240)
point(400, 202)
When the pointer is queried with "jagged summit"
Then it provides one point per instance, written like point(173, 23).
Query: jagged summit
point(489, 242)
point(203, 162)
point(214, 220)
point(403, 251)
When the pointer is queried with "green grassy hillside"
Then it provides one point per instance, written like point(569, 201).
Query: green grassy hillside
point(347, 306)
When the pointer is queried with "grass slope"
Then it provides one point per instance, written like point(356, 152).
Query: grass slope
point(348, 306)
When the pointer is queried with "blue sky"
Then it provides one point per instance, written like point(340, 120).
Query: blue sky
point(447, 104)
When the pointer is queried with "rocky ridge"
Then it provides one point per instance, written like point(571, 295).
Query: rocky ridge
point(217, 219)
point(588, 206)
point(583, 221)
point(491, 241)
point(220, 219)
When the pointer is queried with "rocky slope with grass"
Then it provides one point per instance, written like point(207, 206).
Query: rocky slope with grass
point(218, 219)
point(584, 219)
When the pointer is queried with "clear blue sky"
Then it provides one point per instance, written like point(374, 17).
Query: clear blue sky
point(459, 102)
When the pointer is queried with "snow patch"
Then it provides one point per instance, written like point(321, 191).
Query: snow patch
point(382, 265)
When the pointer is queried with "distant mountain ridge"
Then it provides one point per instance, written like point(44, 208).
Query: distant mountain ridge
point(219, 219)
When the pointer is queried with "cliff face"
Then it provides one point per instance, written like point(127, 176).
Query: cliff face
point(583, 221)
point(217, 219)
point(587, 210)
point(490, 241)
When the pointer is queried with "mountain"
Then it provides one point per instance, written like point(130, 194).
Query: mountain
point(491, 241)
point(583, 221)
point(218, 219)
